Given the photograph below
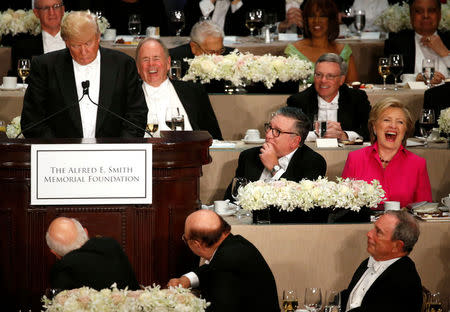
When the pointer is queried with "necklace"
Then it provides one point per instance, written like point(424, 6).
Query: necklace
point(383, 160)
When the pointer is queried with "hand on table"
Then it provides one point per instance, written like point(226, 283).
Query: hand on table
point(183, 281)
point(268, 156)
point(334, 130)
point(437, 78)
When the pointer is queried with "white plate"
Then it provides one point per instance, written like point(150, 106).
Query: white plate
point(18, 87)
point(257, 141)
point(227, 213)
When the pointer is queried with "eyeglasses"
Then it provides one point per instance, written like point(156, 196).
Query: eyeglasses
point(185, 240)
point(276, 132)
point(327, 76)
point(54, 7)
point(217, 52)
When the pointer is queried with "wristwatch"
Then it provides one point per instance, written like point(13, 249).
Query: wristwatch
point(275, 169)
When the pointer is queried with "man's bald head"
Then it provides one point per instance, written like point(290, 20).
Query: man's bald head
point(206, 226)
point(65, 235)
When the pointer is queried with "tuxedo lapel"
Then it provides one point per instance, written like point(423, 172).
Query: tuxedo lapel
point(343, 101)
point(185, 97)
point(107, 83)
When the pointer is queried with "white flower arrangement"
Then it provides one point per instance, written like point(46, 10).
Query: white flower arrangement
point(108, 300)
point(444, 121)
point(13, 129)
point(307, 194)
point(396, 18)
point(241, 68)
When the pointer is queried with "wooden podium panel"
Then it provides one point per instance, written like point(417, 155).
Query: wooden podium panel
point(149, 234)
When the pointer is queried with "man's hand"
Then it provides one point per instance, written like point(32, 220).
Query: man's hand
point(183, 281)
point(268, 156)
point(435, 43)
point(334, 130)
point(293, 17)
point(437, 78)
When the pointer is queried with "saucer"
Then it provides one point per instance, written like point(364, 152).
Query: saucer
point(254, 141)
point(18, 87)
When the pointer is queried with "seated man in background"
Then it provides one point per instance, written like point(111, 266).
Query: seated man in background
point(424, 41)
point(55, 106)
point(235, 276)
point(388, 280)
point(346, 110)
point(82, 261)
point(284, 154)
point(437, 99)
point(190, 99)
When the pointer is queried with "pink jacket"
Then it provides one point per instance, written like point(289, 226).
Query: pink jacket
point(405, 178)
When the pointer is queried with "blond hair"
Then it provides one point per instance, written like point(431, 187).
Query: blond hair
point(77, 23)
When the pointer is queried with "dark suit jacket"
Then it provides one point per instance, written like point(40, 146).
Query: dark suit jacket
point(24, 46)
point(196, 103)
point(403, 43)
point(52, 88)
point(238, 279)
point(304, 164)
point(98, 264)
point(397, 289)
point(353, 111)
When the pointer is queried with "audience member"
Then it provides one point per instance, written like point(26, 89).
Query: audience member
point(82, 261)
point(235, 276)
point(388, 280)
point(55, 87)
point(424, 41)
point(402, 174)
point(284, 154)
point(320, 29)
point(153, 62)
point(437, 99)
point(293, 21)
point(345, 109)
point(26, 46)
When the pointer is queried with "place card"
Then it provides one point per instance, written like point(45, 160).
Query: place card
point(370, 35)
point(230, 39)
point(417, 85)
point(327, 143)
point(287, 37)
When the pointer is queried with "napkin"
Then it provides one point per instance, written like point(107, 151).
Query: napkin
point(230, 39)
point(287, 37)
point(417, 85)
point(222, 144)
point(370, 35)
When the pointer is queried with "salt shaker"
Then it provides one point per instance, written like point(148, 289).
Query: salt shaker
point(267, 35)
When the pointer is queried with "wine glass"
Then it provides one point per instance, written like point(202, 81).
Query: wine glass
point(313, 299)
point(348, 18)
point(252, 21)
point(290, 301)
point(434, 303)
point(174, 118)
point(384, 70)
point(236, 184)
point(426, 123)
point(259, 18)
point(396, 67)
point(152, 124)
point(332, 301)
point(428, 66)
point(23, 68)
point(175, 69)
point(360, 21)
point(134, 25)
point(177, 19)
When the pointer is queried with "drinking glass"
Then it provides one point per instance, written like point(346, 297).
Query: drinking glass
point(290, 301)
point(152, 124)
point(2, 126)
point(175, 70)
point(252, 21)
point(434, 304)
point(396, 67)
point(134, 25)
point(270, 21)
point(236, 184)
point(384, 70)
point(177, 19)
point(428, 70)
point(348, 18)
point(174, 119)
point(332, 301)
point(320, 126)
point(426, 122)
point(313, 299)
point(23, 68)
point(360, 21)
point(260, 19)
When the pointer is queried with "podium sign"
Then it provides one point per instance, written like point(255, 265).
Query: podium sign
point(85, 174)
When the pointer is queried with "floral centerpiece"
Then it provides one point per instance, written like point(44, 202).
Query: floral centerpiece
point(444, 123)
point(149, 299)
point(241, 68)
point(396, 18)
point(13, 129)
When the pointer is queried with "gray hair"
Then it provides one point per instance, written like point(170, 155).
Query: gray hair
point(302, 122)
point(407, 229)
point(204, 29)
point(148, 39)
point(62, 249)
point(334, 58)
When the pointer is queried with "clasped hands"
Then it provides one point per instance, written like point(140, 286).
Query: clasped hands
point(183, 281)
point(293, 17)
point(334, 130)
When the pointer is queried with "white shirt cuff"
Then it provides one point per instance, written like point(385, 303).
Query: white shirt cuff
point(311, 137)
point(446, 60)
point(192, 277)
point(352, 135)
point(237, 6)
point(278, 175)
point(206, 7)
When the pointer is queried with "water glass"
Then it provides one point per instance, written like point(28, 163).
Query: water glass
point(360, 21)
point(177, 19)
point(427, 121)
point(332, 301)
point(320, 127)
point(236, 184)
point(174, 119)
point(175, 70)
point(313, 299)
point(348, 18)
point(134, 25)
point(428, 66)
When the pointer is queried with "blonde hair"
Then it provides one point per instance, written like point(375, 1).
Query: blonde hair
point(77, 23)
point(380, 107)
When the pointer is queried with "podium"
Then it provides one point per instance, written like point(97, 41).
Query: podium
point(149, 234)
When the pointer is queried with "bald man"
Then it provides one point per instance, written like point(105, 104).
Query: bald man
point(235, 276)
point(97, 262)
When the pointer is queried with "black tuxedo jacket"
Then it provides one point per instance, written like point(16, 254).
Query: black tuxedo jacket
point(403, 43)
point(353, 111)
point(238, 279)
point(98, 264)
point(52, 88)
point(196, 103)
point(397, 289)
point(304, 164)
point(24, 46)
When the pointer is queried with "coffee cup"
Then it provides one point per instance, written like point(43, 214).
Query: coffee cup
point(391, 205)
point(446, 201)
point(152, 32)
point(110, 34)
point(252, 135)
point(10, 82)
point(408, 77)
point(220, 206)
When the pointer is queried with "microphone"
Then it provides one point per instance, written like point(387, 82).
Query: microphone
point(85, 86)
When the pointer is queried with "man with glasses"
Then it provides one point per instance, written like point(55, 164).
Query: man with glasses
point(284, 154)
point(25, 46)
point(346, 110)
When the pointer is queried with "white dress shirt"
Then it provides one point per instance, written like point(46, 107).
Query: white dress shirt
point(220, 9)
point(374, 270)
point(193, 278)
point(88, 111)
point(52, 43)
point(158, 99)
point(289, 5)
point(442, 63)
point(283, 162)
